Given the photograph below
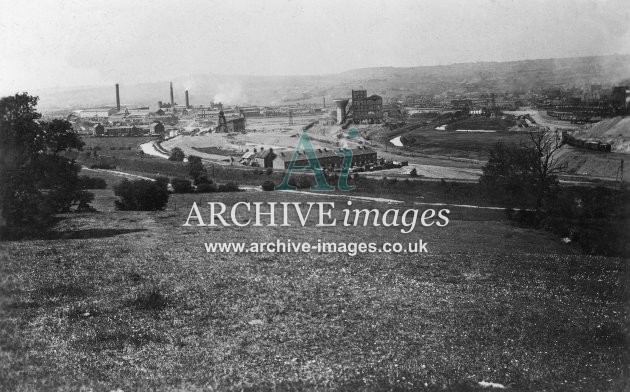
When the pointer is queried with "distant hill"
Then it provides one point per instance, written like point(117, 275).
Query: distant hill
point(511, 76)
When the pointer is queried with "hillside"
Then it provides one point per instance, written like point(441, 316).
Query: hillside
point(388, 81)
point(615, 131)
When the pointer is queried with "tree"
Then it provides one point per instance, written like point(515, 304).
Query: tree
point(177, 155)
point(37, 179)
point(524, 174)
point(196, 170)
point(181, 185)
point(547, 167)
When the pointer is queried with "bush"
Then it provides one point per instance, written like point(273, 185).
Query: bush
point(86, 182)
point(140, 195)
point(162, 181)
point(105, 166)
point(229, 187)
point(414, 172)
point(181, 185)
point(206, 188)
point(202, 179)
point(84, 205)
point(177, 155)
point(269, 171)
point(304, 182)
point(268, 186)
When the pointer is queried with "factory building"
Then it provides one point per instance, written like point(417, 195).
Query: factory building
point(251, 111)
point(231, 125)
point(620, 99)
point(120, 131)
point(100, 113)
point(366, 108)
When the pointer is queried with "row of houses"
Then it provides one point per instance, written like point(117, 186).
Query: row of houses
point(99, 130)
point(328, 159)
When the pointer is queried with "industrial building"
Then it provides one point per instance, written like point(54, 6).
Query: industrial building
point(327, 158)
point(101, 131)
point(231, 125)
point(366, 108)
point(95, 114)
point(620, 99)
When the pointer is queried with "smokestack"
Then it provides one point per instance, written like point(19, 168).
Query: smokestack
point(324, 101)
point(117, 98)
point(172, 100)
point(187, 102)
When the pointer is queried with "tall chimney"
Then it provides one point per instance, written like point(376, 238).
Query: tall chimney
point(324, 101)
point(172, 100)
point(187, 102)
point(117, 98)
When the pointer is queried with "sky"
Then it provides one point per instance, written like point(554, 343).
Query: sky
point(70, 43)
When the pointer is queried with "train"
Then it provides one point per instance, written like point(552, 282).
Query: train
point(587, 144)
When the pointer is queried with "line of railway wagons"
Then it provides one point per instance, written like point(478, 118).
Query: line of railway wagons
point(587, 144)
point(575, 117)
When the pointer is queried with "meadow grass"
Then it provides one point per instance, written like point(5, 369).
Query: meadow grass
point(131, 300)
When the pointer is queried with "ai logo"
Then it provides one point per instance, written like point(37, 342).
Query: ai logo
point(305, 145)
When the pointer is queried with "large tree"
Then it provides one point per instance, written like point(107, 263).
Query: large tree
point(38, 179)
point(524, 174)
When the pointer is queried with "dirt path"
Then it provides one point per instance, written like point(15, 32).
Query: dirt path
point(118, 173)
point(392, 201)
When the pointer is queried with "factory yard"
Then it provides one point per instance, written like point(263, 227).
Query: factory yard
point(267, 133)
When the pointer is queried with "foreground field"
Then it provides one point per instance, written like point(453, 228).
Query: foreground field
point(133, 301)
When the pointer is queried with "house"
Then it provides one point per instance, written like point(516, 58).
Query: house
point(267, 158)
point(246, 159)
point(156, 128)
point(329, 159)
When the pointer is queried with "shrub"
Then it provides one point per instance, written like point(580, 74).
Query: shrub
point(206, 187)
point(86, 182)
point(140, 195)
point(229, 187)
point(105, 166)
point(202, 179)
point(269, 171)
point(150, 299)
point(414, 172)
point(162, 181)
point(304, 182)
point(268, 186)
point(181, 185)
point(85, 198)
point(177, 155)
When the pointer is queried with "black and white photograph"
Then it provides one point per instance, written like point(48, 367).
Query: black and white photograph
point(324, 195)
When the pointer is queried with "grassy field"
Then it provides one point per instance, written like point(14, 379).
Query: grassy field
point(133, 301)
point(482, 123)
point(458, 144)
point(115, 143)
